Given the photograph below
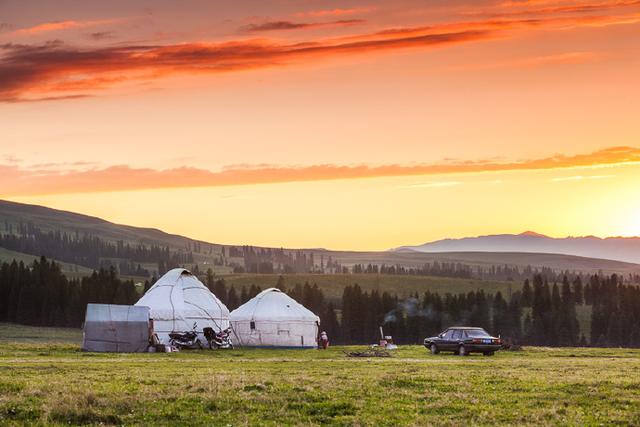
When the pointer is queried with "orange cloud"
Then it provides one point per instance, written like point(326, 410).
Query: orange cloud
point(336, 12)
point(54, 70)
point(30, 72)
point(60, 25)
point(563, 3)
point(28, 182)
point(573, 8)
point(501, 24)
point(288, 25)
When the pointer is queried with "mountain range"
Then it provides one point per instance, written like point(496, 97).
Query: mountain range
point(71, 238)
point(626, 249)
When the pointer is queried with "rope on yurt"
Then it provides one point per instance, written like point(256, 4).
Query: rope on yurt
point(215, 299)
point(207, 312)
point(173, 308)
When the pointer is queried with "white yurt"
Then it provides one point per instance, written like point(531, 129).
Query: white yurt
point(274, 319)
point(178, 300)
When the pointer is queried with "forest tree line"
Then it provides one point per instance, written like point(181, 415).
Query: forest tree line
point(91, 251)
point(540, 313)
point(39, 294)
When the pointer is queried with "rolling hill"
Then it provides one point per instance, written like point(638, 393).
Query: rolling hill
point(554, 261)
point(626, 249)
point(15, 218)
point(48, 219)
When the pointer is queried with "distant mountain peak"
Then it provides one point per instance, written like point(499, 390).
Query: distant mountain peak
point(626, 249)
point(532, 234)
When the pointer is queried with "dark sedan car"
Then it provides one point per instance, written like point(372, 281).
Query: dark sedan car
point(464, 340)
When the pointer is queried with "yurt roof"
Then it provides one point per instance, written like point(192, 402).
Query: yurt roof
point(180, 293)
point(273, 305)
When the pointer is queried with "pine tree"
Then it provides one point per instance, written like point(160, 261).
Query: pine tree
point(527, 296)
point(514, 318)
point(500, 315)
point(569, 327)
point(220, 290)
point(233, 301)
point(329, 324)
point(577, 291)
point(244, 296)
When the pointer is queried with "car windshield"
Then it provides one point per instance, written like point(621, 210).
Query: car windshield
point(477, 333)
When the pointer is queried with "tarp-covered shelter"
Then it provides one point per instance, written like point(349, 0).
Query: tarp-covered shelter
point(178, 300)
point(116, 328)
point(274, 319)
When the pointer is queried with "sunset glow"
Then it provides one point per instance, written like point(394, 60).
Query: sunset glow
point(348, 125)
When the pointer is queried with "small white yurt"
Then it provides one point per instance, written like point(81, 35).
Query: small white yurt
point(178, 300)
point(274, 319)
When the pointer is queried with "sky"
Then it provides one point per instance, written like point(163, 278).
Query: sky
point(360, 125)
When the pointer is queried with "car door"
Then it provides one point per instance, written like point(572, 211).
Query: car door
point(445, 342)
point(456, 337)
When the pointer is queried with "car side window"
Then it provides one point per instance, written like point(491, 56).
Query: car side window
point(447, 335)
point(457, 334)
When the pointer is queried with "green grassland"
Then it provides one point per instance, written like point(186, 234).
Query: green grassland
point(333, 284)
point(70, 270)
point(13, 333)
point(56, 383)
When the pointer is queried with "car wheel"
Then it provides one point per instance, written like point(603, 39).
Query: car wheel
point(434, 349)
point(462, 351)
point(489, 353)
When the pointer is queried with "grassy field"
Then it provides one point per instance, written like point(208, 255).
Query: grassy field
point(333, 284)
point(56, 383)
point(12, 333)
point(71, 270)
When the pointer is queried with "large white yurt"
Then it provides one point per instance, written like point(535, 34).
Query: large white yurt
point(178, 300)
point(274, 319)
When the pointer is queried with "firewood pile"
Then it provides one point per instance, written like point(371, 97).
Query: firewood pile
point(370, 352)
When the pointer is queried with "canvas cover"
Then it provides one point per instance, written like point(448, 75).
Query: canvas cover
point(116, 328)
point(178, 300)
point(274, 319)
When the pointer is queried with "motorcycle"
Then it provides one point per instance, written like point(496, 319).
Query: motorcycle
point(220, 339)
point(184, 340)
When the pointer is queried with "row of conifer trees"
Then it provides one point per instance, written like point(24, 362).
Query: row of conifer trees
point(539, 313)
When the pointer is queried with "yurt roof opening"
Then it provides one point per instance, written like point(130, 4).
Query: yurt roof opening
point(274, 319)
point(178, 301)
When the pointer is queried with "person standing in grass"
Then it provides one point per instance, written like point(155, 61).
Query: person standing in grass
point(324, 340)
